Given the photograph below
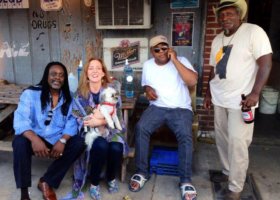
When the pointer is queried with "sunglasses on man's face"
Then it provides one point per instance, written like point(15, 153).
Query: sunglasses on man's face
point(157, 49)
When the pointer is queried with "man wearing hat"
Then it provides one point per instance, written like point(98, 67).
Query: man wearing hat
point(241, 62)
point(165, 79)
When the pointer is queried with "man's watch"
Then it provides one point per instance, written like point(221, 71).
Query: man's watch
point(63, 140)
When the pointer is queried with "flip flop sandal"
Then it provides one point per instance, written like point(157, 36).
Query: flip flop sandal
point(138, 178)
point(189, 190)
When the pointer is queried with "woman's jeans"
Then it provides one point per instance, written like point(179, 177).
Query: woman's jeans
point(180, 122)
point(103, 152)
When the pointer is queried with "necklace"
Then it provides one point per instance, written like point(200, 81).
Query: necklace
point(226, 46)
point(220, 54)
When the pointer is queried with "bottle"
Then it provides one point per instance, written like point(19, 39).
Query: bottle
point(80, 69)
point(128, 80)
point(247, 113)
point(73, 82)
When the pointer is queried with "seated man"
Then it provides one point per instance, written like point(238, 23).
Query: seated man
point(166, 78)
point(44, 127)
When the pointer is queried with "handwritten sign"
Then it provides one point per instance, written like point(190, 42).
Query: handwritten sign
point(51, 5)
point(14, 4)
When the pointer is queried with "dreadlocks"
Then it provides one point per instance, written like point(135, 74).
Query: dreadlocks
point(44, 85)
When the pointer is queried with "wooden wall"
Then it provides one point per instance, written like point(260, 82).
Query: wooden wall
point(30, 38)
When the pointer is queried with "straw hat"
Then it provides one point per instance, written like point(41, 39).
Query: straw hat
point(236, 3)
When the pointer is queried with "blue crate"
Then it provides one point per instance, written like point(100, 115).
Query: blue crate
point(164, 161)
point(164, 156)
point(164, 171)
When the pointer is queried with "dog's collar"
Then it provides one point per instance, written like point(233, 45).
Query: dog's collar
point(109, 104)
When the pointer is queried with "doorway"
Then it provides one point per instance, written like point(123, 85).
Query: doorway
point(267, 126)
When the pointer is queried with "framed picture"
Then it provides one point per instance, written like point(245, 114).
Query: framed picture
point(182, 29)
point(176, 4)
point(117, 50)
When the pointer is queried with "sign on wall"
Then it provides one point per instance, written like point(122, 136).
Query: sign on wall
point(176, 4)
point(182, 29)
point(14, 4)
point(51, 5)
point(117, 50)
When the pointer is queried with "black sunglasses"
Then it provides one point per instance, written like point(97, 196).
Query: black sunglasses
point(49, 118)
point(157, 49)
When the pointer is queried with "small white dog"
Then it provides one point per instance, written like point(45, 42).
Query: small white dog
point(108, 100)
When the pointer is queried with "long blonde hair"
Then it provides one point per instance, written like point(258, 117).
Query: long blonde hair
point(83, 88)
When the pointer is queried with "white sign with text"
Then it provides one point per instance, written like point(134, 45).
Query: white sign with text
point(14, 4)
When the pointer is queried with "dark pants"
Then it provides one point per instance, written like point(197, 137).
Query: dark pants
point(180, 122)
point(23, 152)
point(102, 152)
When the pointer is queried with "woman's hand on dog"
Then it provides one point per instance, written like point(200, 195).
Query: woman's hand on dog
point(95, 119)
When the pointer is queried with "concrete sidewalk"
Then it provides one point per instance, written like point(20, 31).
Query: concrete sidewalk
point(264, 164)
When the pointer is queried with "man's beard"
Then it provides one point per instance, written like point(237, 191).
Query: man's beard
point(226, 31)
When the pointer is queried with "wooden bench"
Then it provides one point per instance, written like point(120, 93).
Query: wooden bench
point(4, 113)
point(10, 93)
point(127, 105)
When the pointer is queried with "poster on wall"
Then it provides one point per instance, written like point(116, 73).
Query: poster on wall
point(175, 4)
point(15, 4)
point(51, 5)
point(117, 50)
point(182, 29)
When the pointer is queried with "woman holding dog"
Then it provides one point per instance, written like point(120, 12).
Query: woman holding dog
point(105, 149)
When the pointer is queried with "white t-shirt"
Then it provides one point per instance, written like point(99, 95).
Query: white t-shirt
point(171, 90)
point(249, 43)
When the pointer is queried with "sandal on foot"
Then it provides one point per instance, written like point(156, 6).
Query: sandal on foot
point(94, 192)
point(113, 186)
point(138, 178)
point(188, 190)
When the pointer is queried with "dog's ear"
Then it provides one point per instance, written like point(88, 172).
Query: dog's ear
point(116, 85)
point(102, 97)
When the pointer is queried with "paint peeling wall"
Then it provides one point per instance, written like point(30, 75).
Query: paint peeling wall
point(30, 38)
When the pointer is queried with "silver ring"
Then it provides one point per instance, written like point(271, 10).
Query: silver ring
point(61, 154)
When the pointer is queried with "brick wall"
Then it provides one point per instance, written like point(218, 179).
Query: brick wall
point(206, 118)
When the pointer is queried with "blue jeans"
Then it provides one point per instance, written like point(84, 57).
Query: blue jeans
point(180, 122)
point(102, 152)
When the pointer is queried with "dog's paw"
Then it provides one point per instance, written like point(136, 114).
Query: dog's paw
point(111, 124)
point(118, 126)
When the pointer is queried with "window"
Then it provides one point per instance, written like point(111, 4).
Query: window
point(123, 14)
